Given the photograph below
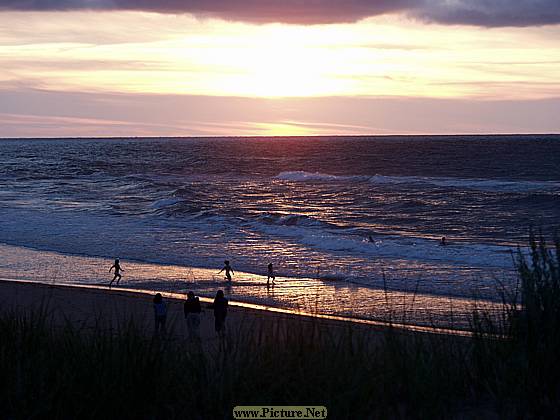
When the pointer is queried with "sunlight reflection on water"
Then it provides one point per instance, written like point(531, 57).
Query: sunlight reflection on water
point(330, 297)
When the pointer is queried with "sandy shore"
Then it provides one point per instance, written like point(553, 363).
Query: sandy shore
point(86, 307)
point(292, 294)
point(266, 337)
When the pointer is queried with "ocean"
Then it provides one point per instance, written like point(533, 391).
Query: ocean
point(351, 224)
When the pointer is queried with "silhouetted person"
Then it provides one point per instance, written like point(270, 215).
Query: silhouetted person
point(370, 239)
point(118, 269)
point(443, 241)
point(270, 274)
point(220, 306)
point(227, 268)
point(160, 312)
point(192, 315)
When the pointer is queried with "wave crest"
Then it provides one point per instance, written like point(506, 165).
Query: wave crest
point(497, 185)
point(315, 176)
point(292, 220)
point(165, 202)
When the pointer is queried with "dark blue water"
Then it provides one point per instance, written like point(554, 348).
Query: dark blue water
point(306, 204)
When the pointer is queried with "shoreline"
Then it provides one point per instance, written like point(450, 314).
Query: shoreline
point(240, 274)
point(329, 299)
point(248, 309)
point(95, 309)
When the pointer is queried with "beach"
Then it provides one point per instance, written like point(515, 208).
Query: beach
point(329, 299)
point(279, 209)
point(370, 315)
point(342, 219)
point(99, 346)
point(88, 351)
point(86, 307)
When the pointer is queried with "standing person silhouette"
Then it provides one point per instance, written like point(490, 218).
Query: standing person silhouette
point(192, 312)
point(270, 274)
point(160, 313)
point(227, 268)
point(220, 306)
point(118, 269)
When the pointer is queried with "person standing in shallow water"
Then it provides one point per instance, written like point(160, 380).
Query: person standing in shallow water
point(192, 316)
point(229, 271)
point(220, 306)
point(160, 312)
point(118, 269)
point(270, 274)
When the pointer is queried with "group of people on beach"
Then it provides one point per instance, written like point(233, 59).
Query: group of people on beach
point(192, 311)
point(191, 307)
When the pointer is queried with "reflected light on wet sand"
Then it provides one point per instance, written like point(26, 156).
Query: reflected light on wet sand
point(296, 295)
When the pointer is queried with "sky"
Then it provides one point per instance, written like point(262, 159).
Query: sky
point(71, 68)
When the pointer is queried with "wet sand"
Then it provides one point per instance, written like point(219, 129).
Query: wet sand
point(85, 308)
point(310, 295)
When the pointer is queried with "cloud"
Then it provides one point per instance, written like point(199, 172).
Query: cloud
point(489, 13)
point(255, 11)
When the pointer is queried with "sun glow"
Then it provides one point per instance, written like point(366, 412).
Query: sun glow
point(182, 55)
point(138, 73)
point(282, 129)
point(280, 63)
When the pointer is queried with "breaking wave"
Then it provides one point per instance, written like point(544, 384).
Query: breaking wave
point(473, 184)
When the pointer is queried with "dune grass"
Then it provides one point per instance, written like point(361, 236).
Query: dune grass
point(517, 356)
point(507, 369)
point(66, 373)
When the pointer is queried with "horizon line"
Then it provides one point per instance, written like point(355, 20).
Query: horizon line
point(210, 137)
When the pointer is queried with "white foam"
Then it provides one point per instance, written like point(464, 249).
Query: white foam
point(447, 182)
point(299, 249)
point(417, 249)
point(165, 202)
point(303, 176)
point(476, 184)
point(291, 219)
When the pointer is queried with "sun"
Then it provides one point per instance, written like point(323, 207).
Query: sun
point(281, 129)
point(275, 61)
point(282, 68)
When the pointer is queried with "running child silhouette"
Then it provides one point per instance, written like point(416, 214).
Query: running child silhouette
point(118, 269)
point(227, 268)
point(270, 274)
